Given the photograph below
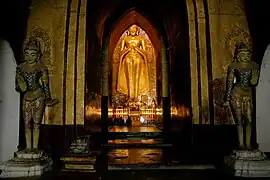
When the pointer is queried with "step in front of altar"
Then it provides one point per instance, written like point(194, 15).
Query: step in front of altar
point(136, 143)
point(132, 135)
point(75, 162)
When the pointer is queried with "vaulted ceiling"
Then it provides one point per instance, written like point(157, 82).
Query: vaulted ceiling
point(167, 17)
point(14, 14)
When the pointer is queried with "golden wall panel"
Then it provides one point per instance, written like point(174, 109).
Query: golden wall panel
point(203, 71)
point(193, 73)
point(228, 25)
point(70, 69)
point(81, 65)
point(221, 26)
point(203, 62)
point(58, 55)
point(46, 17)
point(193, 62)
point(226, 7)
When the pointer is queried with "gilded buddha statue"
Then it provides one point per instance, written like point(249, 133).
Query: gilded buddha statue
point(133, 77)
point(32, 81)
point(242, 77)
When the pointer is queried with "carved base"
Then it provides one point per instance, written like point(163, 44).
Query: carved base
point(246, 163)
point(26, 163)
point(79, 158)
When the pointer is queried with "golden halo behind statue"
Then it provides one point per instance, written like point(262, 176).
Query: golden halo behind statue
point(231, 40)
point(45, 44)
point(42, 44)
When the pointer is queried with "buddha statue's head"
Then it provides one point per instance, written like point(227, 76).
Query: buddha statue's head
point(242, 52)
point(32, 51)
point(133, 30)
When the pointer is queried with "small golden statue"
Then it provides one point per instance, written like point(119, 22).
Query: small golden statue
point(33, 82)
point(133, 77)
point(242, 77)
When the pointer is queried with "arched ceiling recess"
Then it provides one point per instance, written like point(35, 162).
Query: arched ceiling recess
point(145, 13)
point(130, 18)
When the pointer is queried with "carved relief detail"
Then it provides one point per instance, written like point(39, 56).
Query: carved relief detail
point(222, 115)
point(236, 35)
point(228, 7)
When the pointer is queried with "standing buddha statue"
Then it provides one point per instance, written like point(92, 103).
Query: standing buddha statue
point(133, 77)
point(242, 77)
point(33, 82)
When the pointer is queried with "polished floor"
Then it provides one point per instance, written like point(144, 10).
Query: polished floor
point(135, 141)
point(136, 156)
point(134, 129)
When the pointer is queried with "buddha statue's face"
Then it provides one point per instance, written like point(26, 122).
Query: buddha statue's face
point(243, 56)
point(133, 30)
point(30, 56)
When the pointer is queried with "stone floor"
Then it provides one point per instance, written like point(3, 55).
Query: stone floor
point(141, 175)
point(134, 156)
point(146, 162)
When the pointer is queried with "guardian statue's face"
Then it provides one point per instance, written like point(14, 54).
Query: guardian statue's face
point(243, 56)
point(31, 56)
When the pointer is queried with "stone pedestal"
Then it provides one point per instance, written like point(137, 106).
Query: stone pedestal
point(79, 158)
point(26, 163)
point(246, 163)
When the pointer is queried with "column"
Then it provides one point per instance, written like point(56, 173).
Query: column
point(263, 103)
point(166, 106)
point(105, 91)
point(9, 103)
point(193, 62)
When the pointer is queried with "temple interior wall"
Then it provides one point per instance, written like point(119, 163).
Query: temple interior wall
point(66, 58)
point(228, 24)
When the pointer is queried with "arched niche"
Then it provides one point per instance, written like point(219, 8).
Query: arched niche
point(128, 19)
point(133, 17)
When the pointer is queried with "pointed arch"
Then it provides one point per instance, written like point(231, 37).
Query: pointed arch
point(133, 17)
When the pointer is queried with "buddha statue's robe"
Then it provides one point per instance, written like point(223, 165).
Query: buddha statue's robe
point(133, 78)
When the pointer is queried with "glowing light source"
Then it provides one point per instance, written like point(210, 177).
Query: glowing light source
point(142, 119)
point(179, 111)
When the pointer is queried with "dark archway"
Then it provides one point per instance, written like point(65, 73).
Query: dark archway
point(166, 20)
point(145, 12)
point(134, 17)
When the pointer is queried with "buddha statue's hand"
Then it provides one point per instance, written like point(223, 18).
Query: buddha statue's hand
point(139, 51)
point(51, 102)
point(128, 49)
point(125, 51)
